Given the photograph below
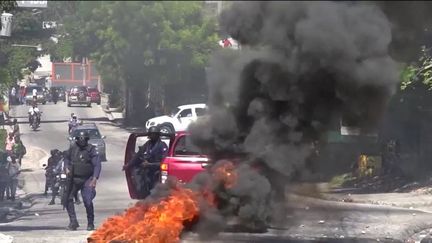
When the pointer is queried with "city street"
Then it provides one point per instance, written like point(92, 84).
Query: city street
point(309, 218)
point(45, 223)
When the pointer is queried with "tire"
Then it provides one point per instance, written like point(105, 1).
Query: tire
point(44, 103)
point(98, 103)
point(166, 128)
point(89, 105)
point(69, 104)
point(61, 191)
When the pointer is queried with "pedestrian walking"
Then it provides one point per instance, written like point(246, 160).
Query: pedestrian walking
point(10, 142)
point(22, 94)
point(14, 171)
point(4, 176)
point(15, 127)
point(13, 95)
point(19, 150)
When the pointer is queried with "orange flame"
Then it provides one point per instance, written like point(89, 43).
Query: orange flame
point(226, 173)
point(164, 221)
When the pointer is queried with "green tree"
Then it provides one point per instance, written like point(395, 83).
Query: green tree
point(7, 5)
point(142, 46)
point(27, 30)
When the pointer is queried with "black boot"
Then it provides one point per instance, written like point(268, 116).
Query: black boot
point(90, 227)
point(73, 225)
point(90, 216)
point(52, 202)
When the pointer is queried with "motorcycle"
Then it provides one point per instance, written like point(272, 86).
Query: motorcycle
point(55, 97)
point(35, 121)
point(60, 183)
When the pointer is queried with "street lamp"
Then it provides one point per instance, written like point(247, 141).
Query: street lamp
point(38, 47)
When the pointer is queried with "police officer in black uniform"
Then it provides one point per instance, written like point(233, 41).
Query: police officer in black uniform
point(149, 157)
point(84, 169)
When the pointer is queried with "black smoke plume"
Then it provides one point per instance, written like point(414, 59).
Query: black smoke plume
point(301, 67)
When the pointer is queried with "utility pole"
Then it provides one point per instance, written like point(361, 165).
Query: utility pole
point(84, 71)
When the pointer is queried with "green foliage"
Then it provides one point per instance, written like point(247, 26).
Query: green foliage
point(130, 40)
point(418, 73)
point(7, 5)
point(27, 30)
point(407, 76)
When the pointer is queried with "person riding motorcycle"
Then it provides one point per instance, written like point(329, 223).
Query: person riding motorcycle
point(49, 169)
point(34, 112)
point(73, 123)
point(55, 95)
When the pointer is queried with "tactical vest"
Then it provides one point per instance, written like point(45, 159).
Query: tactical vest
point(81, 162)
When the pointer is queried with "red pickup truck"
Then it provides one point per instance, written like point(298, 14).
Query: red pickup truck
point(184, 160)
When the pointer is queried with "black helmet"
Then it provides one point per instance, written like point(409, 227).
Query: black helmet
point(82, 134)
point(82, 138)
point(154, 129)
point(54, 151)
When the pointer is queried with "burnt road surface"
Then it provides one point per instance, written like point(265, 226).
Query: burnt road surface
point(309, 219)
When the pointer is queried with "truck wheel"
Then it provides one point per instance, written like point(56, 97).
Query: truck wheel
point(69, 105)
point(166, 128)
point(89, 105)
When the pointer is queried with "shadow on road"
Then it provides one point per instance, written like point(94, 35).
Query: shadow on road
point(28, 228)
point(95, 119)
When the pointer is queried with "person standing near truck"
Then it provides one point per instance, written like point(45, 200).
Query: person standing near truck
point(149, 156)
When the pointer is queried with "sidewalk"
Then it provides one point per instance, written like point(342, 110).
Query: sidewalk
point(33, 160)
point(113, 114)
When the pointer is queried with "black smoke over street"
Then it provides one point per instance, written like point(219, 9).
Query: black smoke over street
point(302, 65)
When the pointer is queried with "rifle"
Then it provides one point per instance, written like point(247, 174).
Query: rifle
point(68, 189)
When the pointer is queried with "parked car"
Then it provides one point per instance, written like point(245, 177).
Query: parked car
point(41, 95)
point(78, 95)
point(94, 95)
point(96, 138)
point(180, 118)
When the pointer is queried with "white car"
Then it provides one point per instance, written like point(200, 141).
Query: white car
point(180, 118)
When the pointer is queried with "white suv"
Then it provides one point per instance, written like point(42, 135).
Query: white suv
point(179, 119)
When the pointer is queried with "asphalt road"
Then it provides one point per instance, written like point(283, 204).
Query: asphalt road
point(308, 219)
point(45, 223)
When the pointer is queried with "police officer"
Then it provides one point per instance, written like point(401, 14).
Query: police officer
point(149, 156)
point(84, 169)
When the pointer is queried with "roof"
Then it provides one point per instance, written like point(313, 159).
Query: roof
point(87, 126)
point(202, 105)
